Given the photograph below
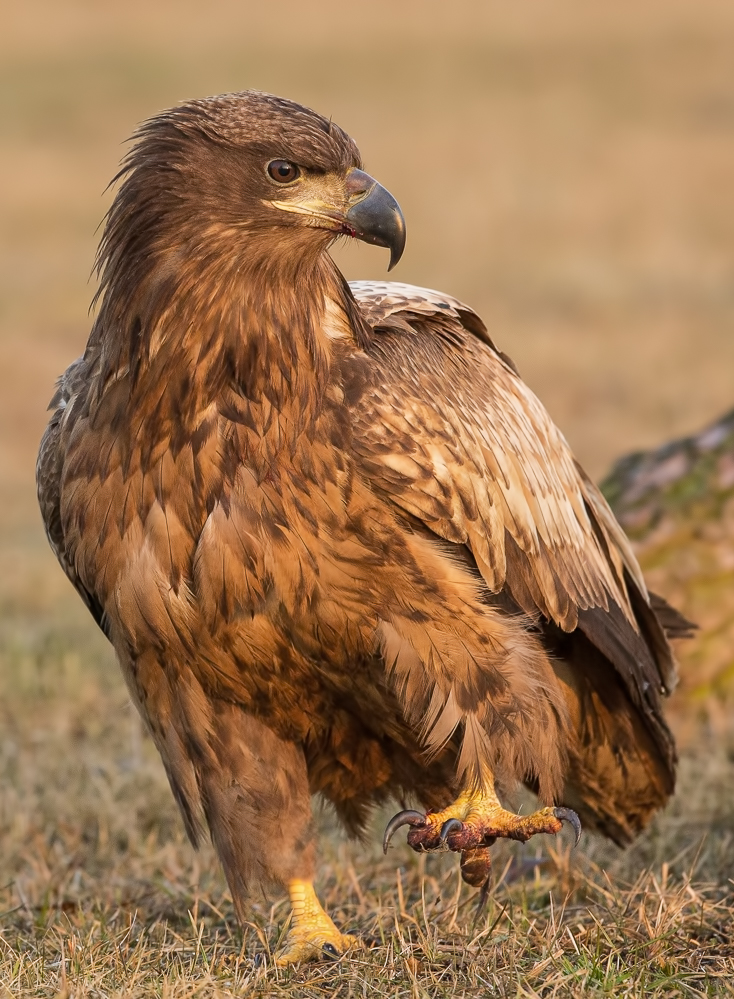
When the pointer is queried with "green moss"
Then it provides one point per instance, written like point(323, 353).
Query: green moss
point(677, 504)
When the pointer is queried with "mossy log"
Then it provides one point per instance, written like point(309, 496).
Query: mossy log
point(677, 505)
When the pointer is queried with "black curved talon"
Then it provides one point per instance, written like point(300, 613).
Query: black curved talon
point(408, 817)
point(568, 815)
point(449, 826)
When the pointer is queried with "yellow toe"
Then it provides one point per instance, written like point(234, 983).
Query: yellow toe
point(312, 936)
point(317, 944)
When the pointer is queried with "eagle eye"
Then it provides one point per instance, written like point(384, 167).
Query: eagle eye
point(283, 172)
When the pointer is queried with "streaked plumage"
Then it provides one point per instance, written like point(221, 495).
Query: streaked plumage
point(337, 543)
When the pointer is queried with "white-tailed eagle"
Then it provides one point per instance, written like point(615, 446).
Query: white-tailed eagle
point(337, 543)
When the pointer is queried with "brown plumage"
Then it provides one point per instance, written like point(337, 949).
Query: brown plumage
point(337, 544)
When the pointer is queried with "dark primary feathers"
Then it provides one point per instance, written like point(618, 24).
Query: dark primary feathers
point(337, 543)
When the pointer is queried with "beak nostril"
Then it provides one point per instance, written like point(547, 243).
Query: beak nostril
point(358, 184)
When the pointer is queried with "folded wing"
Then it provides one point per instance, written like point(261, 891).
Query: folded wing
point(450, 433)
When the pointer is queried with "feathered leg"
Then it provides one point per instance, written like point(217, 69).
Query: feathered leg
point(471, 666)
point(258, 806)
point(498, 683)
point(251, 786)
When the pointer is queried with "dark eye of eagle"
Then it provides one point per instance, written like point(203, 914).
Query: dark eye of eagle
point(283, 172)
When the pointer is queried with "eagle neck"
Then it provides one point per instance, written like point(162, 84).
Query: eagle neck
point(234, 327)
point(279, 344)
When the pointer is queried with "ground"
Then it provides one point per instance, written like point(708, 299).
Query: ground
point(566, 169)
point(101, 894)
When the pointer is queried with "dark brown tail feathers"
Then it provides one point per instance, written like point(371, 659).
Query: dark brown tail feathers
point(619, 773)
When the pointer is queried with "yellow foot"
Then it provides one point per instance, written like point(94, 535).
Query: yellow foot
point(312, 936)
point(472, 823)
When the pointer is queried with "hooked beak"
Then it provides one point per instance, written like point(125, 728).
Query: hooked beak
point(374, 215)
point(371, 213)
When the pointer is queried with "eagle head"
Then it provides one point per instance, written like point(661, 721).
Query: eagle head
point(245, 173)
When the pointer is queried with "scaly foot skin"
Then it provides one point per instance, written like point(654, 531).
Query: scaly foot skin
point(474, 821)
point(312, 936)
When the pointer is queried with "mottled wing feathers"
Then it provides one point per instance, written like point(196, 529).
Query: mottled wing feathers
point(450, 433)
point(48, 478)
point(456, 437)
point(378, 300)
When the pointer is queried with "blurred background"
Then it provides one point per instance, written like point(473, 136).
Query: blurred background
point(565, 167)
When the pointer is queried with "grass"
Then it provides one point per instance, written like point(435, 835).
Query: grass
point(101, 894)
point(654, 938)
